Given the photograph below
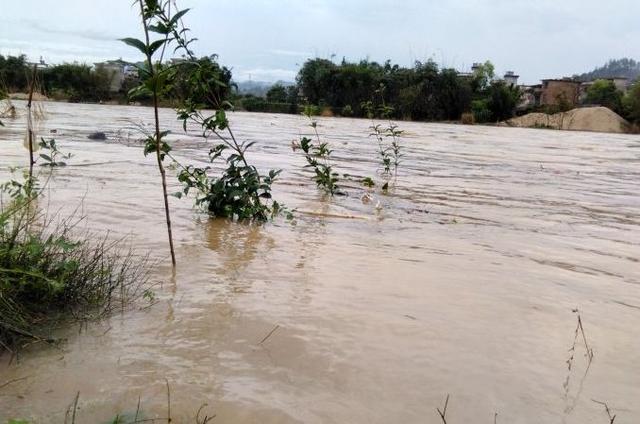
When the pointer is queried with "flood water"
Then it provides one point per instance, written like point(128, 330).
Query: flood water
point(461, 281)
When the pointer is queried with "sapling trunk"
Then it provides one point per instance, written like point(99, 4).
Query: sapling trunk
point(158, 140)
point(29, 122)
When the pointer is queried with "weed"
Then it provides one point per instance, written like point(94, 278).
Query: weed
point(610, 414)
point(52, 158)
point(388, 137)
point(368, 182)
point(578, 333)
point(318, 156)
point(443, 412)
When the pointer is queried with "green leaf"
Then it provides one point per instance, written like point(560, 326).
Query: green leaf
point(160, 28)
point(134, 42)
point(140, 91)
point(177, 16)
point(153, 47)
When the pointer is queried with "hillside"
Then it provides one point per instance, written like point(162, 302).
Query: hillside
point(614, 68)
point(258, 88)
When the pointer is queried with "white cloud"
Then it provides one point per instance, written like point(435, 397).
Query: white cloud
point(271, 38)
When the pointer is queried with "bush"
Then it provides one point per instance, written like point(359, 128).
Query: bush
point(502, 100)
point(47, 276)
point(631, 104)
point(480, 110)
point(277, 94)
point(605, 93)
point(467, 118)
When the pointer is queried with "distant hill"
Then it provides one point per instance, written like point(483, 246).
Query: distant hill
point(258, 88)
point(615, 68)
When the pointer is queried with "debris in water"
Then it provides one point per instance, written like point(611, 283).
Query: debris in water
point(97, 136)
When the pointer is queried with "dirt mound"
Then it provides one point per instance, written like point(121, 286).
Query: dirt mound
point(598, 119)
point(25, 96)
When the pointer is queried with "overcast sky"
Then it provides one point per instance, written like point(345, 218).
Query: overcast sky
point(269, 39)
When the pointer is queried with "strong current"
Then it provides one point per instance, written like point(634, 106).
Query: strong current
point(461, 281)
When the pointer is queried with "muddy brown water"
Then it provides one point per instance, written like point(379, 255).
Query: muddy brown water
point(462, 281)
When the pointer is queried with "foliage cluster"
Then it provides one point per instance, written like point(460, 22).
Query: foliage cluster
point(70, 81)
point(75, 82)
point(605, 93)
point(631, 103)
point(423, 92)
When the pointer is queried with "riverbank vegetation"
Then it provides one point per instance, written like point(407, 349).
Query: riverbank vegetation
point(422, 92)
point(51, 273)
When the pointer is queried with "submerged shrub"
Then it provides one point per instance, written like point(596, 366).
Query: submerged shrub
point(388, 137)
point(49, 276)
point(240, 192)
point(318, 156)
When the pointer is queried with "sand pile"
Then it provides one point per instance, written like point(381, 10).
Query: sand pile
point(25, 96)
point(598, 119)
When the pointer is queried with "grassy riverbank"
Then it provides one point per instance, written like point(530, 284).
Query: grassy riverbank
point(49, 274)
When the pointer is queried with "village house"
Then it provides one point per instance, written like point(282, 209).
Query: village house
point(510, 78)
point(41, 64)
point(120, 71)
point(621, 83)
point(555, 92)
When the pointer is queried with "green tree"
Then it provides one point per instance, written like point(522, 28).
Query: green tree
point(78, 82)
point(605, 93)
point(631, 103)
point(453, 93)
point(13, 72)
point(212, 80)
point(502, 100)
point(483, 74)
point(277, 94)
point(315, 80)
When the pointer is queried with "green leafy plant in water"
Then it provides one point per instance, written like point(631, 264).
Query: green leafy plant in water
point(29, 187)
point(240, 192)
point(368, 182)
point(53, 156)
point(388, 137)
point(318, 156)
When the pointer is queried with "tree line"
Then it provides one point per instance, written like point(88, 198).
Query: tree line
point(68, 81)
point(75, 82)
point(422, 92)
